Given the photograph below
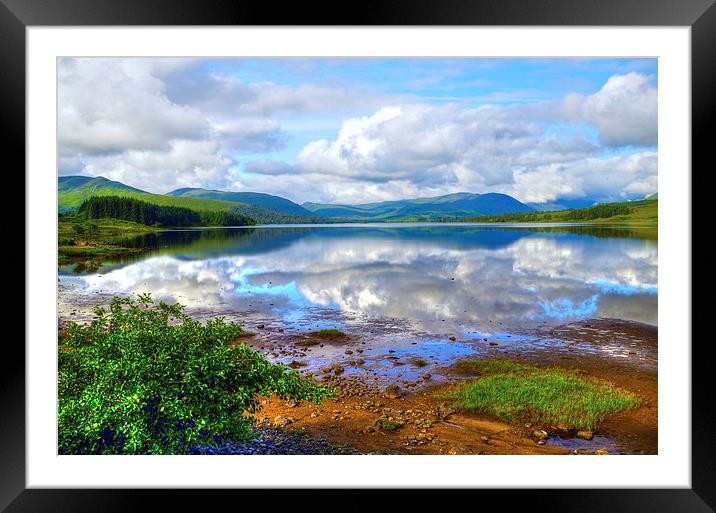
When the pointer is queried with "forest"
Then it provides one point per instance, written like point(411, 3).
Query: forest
point(129, 209)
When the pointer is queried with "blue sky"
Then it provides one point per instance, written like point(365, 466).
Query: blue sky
point(360, 130)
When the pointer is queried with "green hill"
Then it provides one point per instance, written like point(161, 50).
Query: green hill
point(74, 190)
point(460, 204)
point(643, 213)
point(258, 199)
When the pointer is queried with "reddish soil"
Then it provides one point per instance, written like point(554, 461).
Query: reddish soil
point(425, 426)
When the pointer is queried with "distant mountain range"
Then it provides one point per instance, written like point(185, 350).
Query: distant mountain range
point(267, 208)
point(258, 199)
point(461, 204)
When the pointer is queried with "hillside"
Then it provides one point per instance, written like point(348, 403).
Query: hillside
point(635, 213)
point(258, 199)
point(451, 205)
point(74, 190)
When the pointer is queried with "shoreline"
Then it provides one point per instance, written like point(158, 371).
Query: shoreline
point(429, 428)
point(362, 365)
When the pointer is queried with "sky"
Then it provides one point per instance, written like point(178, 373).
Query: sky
point(360, 130)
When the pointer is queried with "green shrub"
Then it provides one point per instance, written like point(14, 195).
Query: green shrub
point(145, 378)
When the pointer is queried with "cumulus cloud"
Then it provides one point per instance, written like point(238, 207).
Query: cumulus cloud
point(615, 178)
point(185, 163)
point(160, 124)
point(624, 110)
point(108, 106)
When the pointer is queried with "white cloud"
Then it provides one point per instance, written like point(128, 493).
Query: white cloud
point(624, 110)
point(614, 178)
point(185, 164)
point(108, 106)
point(160, 124)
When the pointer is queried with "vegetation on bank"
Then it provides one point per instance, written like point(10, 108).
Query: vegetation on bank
point(145, 378)
point(142, 212)
point(73, 191)
point(632, 212)
point(512, 392)
point(330, 334)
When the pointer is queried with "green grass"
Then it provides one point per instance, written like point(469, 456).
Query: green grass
point(388, 425)
point(331, 333)
point(512, 392)
point(84, 242)
point(420, 362)
point(639, 213)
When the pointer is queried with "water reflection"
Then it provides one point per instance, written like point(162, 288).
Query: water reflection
point(435, 278)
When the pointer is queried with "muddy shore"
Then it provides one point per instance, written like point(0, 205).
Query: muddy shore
point(367, 361)
point(428, 427)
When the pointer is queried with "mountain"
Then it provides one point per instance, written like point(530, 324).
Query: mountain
point(266, 208)
point(258, 199)
point(654, 196)
point(461, 204)
point(90, 184)
point(563, 204)
point(74, 190)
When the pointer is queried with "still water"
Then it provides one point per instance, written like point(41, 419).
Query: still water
point(434, 279)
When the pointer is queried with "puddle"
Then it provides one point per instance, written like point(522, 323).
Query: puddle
point(582, 446)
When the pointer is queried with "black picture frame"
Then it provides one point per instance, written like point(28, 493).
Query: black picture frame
point(700, 15)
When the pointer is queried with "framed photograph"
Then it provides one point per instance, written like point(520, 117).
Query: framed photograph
point(444, 247)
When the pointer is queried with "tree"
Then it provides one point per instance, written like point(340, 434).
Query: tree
point(145, 378)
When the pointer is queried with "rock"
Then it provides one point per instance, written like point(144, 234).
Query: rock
point(295, 365)
point(315, 414)
point(368, 429)
point(291, 403)
point(392, 392)
point(427, 376)
point(493, 343)
point(389, 423)
point(444, 411)
point(260, 326)
point(281, 421)
point(585, 434)
point(452, 338)
point(348, 351)
point(601, 451)
point(360, 361)
point(337, 369)
point(540, 434)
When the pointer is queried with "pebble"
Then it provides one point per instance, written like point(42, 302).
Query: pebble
point(281, 421)
point(392, 392)
point(271, 441)
point(585, 434)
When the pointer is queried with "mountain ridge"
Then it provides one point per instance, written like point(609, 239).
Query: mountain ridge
point(268, 208)
point(449, 205)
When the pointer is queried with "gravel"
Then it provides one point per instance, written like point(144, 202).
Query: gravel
point(274, 441)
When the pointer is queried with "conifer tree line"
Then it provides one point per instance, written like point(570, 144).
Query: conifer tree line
point(600, 211)
point(129, 209)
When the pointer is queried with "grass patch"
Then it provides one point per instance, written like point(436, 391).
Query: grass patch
point(388, 425)
point(420, 362)
point(329, 334)
point(512, 391)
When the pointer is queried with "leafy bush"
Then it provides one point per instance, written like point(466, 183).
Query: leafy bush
point(145, 378)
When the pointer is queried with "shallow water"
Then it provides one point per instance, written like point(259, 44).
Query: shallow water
point(467, 280)
point(400, 288)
